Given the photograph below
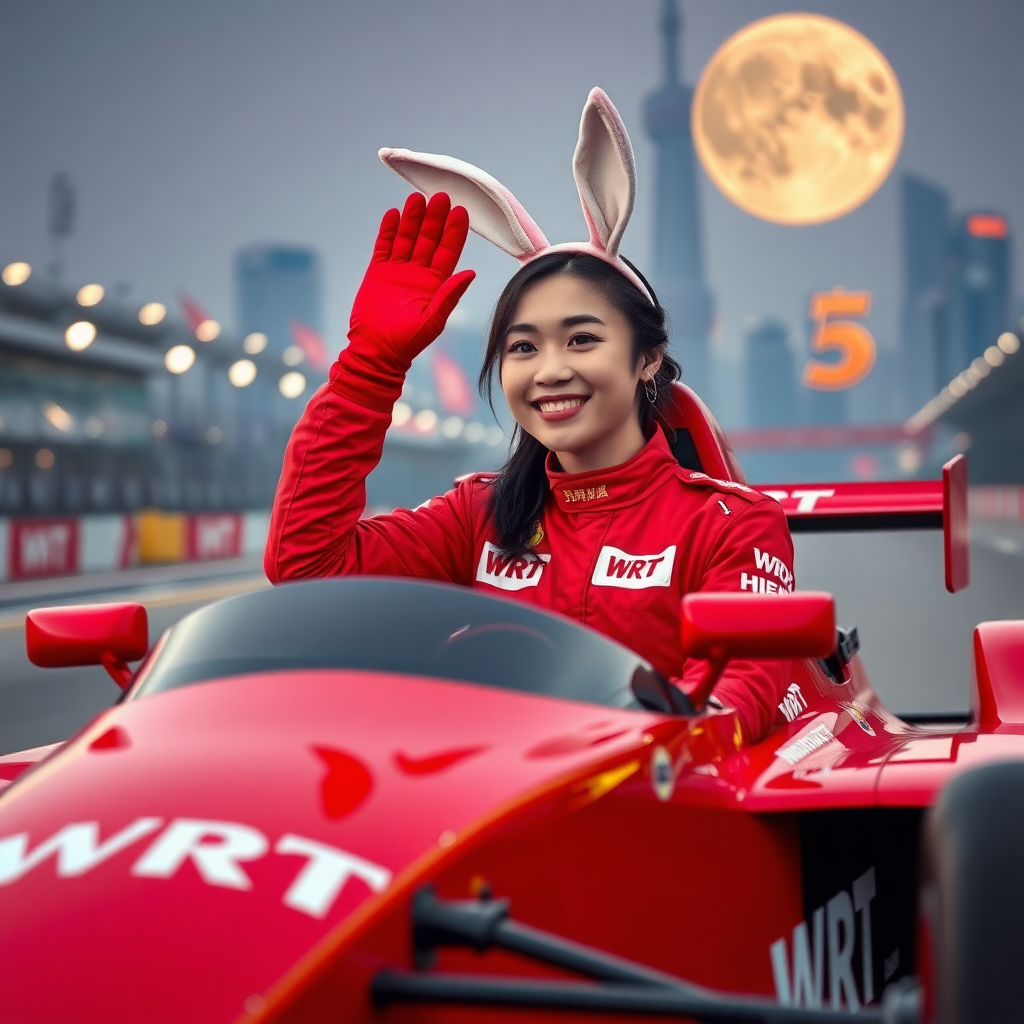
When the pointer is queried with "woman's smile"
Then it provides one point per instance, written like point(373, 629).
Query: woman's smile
point(558, 408)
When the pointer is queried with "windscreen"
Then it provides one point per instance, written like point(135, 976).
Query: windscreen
point(395, 626)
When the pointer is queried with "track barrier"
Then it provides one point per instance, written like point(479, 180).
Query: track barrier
point(32, 548)
point(998, 504)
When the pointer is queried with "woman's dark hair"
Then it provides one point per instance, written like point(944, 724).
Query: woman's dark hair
point(521, 487)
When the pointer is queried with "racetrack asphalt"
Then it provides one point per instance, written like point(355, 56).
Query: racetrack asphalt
point(916, 638)
point(40, 706)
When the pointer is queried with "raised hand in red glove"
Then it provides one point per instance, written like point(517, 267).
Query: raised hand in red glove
point(406, 297)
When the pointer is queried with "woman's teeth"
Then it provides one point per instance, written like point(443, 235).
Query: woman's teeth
point(561, 406)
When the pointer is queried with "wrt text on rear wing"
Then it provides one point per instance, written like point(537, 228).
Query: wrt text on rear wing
point(887, 505)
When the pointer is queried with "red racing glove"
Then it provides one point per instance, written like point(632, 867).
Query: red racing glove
point(406, 297)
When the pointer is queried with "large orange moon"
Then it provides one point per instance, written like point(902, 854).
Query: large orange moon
point(798, 118)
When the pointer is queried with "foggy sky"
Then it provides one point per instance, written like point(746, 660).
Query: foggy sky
point(196, 127)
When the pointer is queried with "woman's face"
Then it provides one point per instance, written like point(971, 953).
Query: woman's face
point(569, 377)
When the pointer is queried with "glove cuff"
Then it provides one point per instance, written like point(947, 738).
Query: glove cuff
point(367, 384)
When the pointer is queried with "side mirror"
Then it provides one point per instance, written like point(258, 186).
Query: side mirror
point(721, 627)
point(110, 635)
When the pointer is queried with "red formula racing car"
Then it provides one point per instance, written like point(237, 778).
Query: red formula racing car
point(386, 800)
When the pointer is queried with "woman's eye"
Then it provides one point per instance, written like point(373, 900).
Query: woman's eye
point(520, 347)
point(583, 339)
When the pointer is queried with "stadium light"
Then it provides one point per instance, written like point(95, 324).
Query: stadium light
point(242, 373)
point(908, 457)
point(291, 385)
point(90, 294)
point(152, 313)
point(16, 273)
point(1008, 342)
point(179, 358)
point(451, 427)
point(80, 335)
point(58, 418)
point(254, 343)
point(425, 420)
point(208, 329)
point(292, 355)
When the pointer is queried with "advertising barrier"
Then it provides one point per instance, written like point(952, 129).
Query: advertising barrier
point(42, 547)
point(63, 546)
point(999, 504)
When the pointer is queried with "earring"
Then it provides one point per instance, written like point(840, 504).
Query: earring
point(651, 387)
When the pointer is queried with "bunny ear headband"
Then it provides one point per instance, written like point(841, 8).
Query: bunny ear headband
point(605, 176)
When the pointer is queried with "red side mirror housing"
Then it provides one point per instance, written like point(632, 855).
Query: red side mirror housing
point(90, 634)
point(801, 625)
point(721, 627)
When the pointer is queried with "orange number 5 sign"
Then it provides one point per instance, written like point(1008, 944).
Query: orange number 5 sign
point(854, 343)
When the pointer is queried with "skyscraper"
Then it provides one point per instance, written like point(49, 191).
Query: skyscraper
point(979, 299)
point(770, 376)
point(926, 269)
point(678, 255)
point(278, 286)
point(957, 287)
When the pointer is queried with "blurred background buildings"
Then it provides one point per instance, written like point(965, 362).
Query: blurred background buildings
point(678, 241)
point(109, 404)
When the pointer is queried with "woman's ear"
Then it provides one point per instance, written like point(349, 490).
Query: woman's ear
point(493, 211)
point(605, 172)
point(652, 364)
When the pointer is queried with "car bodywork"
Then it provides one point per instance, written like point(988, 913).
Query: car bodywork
point(245, 839)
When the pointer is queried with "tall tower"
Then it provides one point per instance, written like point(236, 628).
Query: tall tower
point(926, 276)
point(981, 287)
point(678, 252)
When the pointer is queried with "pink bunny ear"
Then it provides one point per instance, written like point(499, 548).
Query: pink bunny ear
point(605, 172)
point(493, 211)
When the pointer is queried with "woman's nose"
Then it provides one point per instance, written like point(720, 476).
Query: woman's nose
point(553, 368)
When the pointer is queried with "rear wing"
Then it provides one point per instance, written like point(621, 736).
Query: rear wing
point(887, 505)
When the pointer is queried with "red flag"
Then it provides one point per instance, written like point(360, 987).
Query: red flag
point(194, 313)
point(312, 345)
point(451, 384)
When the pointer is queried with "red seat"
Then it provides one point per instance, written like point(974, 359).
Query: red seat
point(700, 442)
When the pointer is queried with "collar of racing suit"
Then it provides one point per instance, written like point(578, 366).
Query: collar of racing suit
point(602, 490)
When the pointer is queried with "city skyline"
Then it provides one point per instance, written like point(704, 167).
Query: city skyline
point(244, 124)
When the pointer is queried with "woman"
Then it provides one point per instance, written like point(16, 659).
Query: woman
point(591, 516)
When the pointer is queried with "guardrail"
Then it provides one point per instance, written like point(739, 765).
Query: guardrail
point(1001, 504)
point(31, 548)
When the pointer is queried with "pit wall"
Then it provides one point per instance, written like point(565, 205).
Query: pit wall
point(32, 548)
point(997, 504)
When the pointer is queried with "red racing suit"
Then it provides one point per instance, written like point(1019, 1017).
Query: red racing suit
point(618, 547)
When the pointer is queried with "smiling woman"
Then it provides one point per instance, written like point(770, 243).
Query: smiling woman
point(581, 357)
point(592, 516)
